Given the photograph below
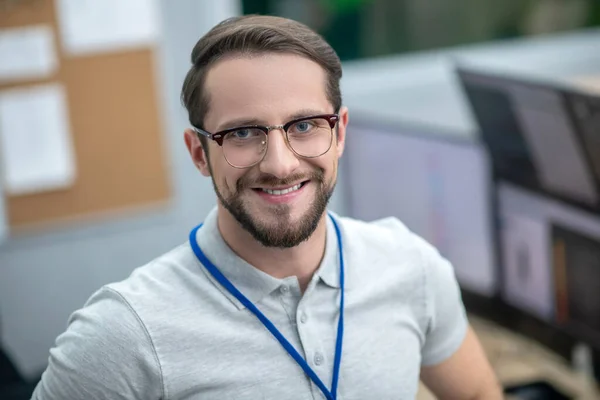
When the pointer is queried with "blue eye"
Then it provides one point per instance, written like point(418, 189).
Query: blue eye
point(242, 133)
point(303, 127)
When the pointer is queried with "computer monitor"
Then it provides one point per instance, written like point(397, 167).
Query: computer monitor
point(439, 187)
point(551, 261)
point(540, 135)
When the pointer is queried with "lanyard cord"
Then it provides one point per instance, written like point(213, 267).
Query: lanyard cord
point(214, 271)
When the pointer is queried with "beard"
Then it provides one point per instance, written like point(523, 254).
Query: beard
point(277, 230)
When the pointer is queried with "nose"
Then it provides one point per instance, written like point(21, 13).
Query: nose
point(280, 160)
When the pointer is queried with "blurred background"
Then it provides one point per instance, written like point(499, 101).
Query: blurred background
point(484, 116)
point(372, 28)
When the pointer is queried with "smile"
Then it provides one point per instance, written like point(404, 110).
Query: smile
point(279, 192)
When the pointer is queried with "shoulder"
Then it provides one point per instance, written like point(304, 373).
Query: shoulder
point(172, 284)
point(88, 359)
point(139, 296)
point(385, 252)
point(390, 261)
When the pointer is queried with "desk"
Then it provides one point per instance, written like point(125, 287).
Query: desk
point(517, 360)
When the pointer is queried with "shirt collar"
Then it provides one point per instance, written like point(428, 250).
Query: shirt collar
point(252, 282)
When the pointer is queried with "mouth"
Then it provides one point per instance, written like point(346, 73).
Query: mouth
point(283, 190)
point(281, 194)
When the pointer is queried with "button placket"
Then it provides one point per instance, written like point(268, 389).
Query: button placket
point(311, 339)
point(307, 338)
point(318, 358)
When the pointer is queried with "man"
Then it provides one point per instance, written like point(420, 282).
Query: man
point(272, 297)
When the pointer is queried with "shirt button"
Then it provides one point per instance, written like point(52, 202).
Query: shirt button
point(284, 289)
point(318, 358)
point(303, 318)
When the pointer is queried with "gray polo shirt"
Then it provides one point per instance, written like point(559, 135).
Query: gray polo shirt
point(170, 331)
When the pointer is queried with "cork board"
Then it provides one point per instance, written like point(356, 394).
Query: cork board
point(115, 127)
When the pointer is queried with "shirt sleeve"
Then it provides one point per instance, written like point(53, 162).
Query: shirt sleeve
point(105, 353)
point(446, 317)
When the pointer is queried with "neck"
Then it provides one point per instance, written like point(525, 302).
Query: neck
point(301, 261)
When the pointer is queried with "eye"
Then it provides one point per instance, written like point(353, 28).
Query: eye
point(303, 127)
point(243, 134)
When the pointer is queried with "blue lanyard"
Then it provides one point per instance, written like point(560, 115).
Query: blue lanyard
point(214, 271)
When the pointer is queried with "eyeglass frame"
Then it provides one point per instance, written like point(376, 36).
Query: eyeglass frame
point(218, 137)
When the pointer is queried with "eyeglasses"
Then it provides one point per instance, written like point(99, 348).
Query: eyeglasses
point(246, 146)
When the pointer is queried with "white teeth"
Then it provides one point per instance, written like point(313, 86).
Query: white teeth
point(284, 191)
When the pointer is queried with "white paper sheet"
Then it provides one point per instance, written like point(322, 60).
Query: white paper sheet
point(526, 255)
point(95, 26)
point(35, 143)
point(27, 53)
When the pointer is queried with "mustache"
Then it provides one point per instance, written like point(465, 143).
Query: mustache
point(270, 180)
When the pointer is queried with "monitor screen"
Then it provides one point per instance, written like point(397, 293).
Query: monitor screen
point(493, 109)
point(439, 188)
point(531, 135)
point(550, 261)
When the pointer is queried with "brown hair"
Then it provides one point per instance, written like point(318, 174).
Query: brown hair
point(250, 35)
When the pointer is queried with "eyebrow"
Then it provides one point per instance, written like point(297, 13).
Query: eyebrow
point(239, 122)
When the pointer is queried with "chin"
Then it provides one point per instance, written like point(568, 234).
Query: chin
point(292, 213)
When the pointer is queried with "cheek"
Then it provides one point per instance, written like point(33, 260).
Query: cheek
point(232, 178)
point(224, 175)
point(328, 163)
point(333, 174)
point(331, 166)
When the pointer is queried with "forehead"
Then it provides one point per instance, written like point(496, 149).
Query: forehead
point(267, 87)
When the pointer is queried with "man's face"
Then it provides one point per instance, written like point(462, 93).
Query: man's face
point(270, 89)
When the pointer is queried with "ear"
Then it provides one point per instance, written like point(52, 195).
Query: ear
point(341, 130)
point(198, 154)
